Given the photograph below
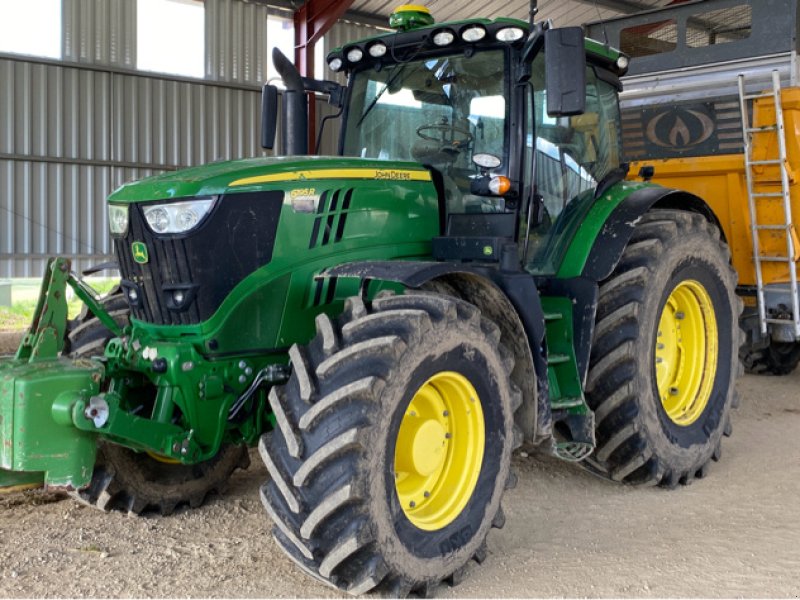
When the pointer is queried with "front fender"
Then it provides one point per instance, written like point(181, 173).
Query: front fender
point(510, 299)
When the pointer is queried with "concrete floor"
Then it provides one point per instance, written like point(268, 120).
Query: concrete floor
point(734, 534)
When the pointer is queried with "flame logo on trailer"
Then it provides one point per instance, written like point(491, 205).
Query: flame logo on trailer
point(680, 129)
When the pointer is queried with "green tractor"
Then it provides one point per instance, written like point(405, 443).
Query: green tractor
point(470, 274)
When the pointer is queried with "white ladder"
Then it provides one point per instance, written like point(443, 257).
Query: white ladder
point(755, 198)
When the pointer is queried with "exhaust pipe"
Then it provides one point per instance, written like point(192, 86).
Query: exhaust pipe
point(294, 127)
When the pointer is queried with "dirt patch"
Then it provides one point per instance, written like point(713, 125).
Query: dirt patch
point(9, 341)
point(568, 534)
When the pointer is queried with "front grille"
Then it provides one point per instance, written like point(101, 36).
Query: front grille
point(236, 239)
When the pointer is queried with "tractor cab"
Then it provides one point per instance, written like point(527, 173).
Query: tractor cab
point(518, 122)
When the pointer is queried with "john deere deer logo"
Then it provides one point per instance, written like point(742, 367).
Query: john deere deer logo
point(679, 128)
point(140, 252)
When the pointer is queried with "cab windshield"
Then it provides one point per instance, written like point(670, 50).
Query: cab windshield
point(436, 111)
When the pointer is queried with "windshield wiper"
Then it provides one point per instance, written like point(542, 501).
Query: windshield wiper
point(377, 97)
point(391, 81)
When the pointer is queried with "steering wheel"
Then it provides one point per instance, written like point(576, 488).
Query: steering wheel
point(451, 138)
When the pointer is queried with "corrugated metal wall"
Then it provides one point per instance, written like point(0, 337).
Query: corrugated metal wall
point(69, 136)
point(236, 41)
point(72, 131)
point(99, 32)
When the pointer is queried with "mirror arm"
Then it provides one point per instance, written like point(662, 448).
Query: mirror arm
point(333, 90)
point(532, 46)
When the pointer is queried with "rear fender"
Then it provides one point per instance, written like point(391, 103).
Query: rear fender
point(587, 266)
point(616, 231)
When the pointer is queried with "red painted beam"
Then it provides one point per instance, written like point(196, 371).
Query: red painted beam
point(311, 21)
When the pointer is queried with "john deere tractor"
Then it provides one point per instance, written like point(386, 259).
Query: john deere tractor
point(471, 273)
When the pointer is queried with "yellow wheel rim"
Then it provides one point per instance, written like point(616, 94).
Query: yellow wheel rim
point(439, 450)
point(686, 352)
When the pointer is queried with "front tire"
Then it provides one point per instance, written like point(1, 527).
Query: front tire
point(137, 482)
point(393, 444)
point(665, 353)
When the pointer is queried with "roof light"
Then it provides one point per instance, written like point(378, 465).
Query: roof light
point(377, 50)
point(622, 62)
point(474, 33)
point(335, 63)
point(509, 34)
point(443, 37)
point(355, 54)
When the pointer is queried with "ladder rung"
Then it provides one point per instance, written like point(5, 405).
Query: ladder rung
point(774, 227)
point(777, 290)
point(768, 194)
point(785, 259)
point(780, 321)
point(765, 128)
point(771, 161)
point(757, 96)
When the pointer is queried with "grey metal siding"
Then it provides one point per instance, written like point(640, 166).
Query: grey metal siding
point(236, 41)
point(99, 32)
point(69, 136)
point(72, 131)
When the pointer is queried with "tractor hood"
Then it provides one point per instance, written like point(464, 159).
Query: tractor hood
point(256, 173)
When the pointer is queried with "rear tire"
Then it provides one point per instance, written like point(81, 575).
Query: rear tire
point(136, 482)
point(337, 468)
point(778, 358)
point(662, 403)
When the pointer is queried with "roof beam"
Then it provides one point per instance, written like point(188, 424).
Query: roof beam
point(623, 6)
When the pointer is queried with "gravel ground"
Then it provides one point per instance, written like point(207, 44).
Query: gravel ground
point(735, 533)
point(9, 341)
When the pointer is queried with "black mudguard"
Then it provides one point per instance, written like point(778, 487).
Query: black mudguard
point(618, 228)
point(518, 287)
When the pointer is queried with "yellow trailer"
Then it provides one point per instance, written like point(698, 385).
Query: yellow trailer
point(699, 114)
point(721, 181)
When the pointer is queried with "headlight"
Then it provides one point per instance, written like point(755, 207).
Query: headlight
point(178, 217)
point(118, 219)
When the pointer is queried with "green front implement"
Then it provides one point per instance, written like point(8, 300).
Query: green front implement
point(41, 396)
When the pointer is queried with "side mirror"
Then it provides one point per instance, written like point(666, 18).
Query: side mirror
point(269, 115)
point(565, 71)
